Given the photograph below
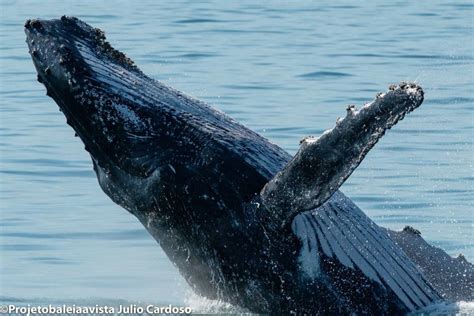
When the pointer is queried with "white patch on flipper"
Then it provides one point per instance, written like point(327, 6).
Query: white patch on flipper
point(309, 254)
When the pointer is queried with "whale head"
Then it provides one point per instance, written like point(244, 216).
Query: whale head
point(143, 136)
point(94, 86)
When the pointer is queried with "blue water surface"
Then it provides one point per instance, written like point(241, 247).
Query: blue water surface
point(286, 70)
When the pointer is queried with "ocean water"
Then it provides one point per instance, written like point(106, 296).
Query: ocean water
point(286, 71)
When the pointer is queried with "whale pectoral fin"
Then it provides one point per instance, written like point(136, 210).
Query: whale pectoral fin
point(340, 232)
point(322, 164)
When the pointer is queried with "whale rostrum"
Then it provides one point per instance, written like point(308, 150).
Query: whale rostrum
point(242, 220)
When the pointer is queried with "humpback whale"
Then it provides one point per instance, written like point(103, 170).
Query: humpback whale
point(242, 220)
